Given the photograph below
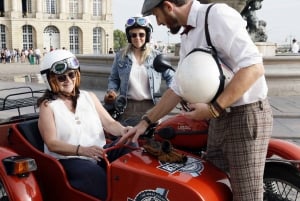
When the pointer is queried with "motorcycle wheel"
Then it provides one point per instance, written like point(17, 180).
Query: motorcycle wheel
point(281, 183)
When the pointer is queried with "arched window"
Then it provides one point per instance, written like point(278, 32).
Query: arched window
point(51, 37)
point(74, 40)
point(97, 42)
point(97, 8)
point(27, 37)
point(2, 36)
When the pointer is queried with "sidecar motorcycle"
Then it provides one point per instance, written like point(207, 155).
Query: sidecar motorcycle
point(27, 174)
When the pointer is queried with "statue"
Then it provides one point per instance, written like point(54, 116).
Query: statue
point(256, 28)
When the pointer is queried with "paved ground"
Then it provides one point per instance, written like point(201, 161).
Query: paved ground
point(286, 110)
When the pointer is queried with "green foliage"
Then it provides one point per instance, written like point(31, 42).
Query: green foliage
point(120, 39)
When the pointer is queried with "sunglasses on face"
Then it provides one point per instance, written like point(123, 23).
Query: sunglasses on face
point(63, 77)
point(140, 35)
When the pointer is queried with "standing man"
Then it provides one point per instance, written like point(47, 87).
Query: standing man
point(295, 46)
point(241, 121)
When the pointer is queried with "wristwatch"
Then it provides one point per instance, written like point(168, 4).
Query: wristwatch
point(146, 119)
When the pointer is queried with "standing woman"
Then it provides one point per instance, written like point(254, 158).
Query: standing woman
point(133, 75)
point(72, 124)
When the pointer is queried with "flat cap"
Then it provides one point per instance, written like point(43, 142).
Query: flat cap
point(149, 5)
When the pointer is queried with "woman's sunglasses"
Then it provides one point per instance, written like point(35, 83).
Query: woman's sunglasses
point(63, 77)
point(134, 35)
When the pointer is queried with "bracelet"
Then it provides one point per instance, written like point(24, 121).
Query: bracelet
point(146, 118)
point(77, 149)
point(213, 111)
point(217, 106)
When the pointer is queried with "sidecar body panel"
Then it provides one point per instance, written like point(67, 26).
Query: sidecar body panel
point(18, 188)
point(138, 175)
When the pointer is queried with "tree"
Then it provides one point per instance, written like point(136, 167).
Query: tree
point(120, 39)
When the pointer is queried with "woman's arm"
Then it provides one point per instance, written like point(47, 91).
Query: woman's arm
point(109, 124)
point(46, 124)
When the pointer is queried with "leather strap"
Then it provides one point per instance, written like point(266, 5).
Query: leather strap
point(215, 55)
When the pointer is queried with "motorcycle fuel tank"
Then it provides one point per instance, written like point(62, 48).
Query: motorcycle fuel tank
point(138, 176)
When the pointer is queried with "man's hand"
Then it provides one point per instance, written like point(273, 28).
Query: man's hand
point(198, 111)
point(134, 133)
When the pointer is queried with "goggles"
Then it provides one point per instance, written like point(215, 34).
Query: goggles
point(141, 21)
point(62, 66)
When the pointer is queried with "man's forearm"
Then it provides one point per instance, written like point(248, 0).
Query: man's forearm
point(167, 103)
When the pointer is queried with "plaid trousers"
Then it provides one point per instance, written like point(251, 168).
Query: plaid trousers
point(238, 143)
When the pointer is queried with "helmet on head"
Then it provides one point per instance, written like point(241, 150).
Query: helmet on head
point(198, 77)
point(57, 62)
point(149, 5)
point(138, 22)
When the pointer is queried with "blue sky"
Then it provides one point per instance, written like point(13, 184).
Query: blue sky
point(282, 17)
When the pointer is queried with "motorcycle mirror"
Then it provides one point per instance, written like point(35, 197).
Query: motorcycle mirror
point(161, 64)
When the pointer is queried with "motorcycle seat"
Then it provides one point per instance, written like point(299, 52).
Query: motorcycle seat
point(31, 132)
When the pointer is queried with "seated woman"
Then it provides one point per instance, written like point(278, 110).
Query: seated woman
point(72, 124)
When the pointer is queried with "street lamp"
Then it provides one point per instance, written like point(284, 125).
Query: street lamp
point(107, 43)
point(50, 37)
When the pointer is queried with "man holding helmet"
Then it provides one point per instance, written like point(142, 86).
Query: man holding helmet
point(241, 117)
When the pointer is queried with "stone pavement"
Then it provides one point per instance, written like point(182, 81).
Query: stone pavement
point(286, 110)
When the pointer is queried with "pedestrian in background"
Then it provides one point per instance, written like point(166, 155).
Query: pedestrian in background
point(295, 46)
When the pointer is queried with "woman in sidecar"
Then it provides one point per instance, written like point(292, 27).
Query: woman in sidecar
point(72, 124)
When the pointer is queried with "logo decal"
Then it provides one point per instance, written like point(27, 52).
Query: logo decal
point(159, 194)
point(192, 166)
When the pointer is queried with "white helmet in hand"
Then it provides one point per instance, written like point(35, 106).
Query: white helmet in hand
point(198, 77)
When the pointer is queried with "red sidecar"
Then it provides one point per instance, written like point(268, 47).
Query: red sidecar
point(135, 176)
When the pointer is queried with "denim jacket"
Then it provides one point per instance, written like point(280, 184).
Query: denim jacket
point(121, 67)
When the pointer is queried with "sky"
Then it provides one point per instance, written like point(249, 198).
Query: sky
point(282, 18)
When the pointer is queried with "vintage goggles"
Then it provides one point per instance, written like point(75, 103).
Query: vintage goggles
point(141, 21)
point(62, 66)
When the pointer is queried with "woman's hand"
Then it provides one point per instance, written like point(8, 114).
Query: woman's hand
point(94, 152)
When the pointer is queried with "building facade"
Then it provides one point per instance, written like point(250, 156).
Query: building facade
point(81, 26)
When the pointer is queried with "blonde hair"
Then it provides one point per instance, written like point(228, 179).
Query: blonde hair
point(146, 51)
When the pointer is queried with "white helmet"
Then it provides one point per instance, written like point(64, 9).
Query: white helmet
point(57, 62)
point(199, 78)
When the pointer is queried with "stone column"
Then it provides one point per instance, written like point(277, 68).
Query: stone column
point(85, 9)
point(39, 9)
point(62, 10)
point(14, 13)
point(14, 4)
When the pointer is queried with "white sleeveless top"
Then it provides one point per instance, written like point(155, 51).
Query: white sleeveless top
point(80, 128)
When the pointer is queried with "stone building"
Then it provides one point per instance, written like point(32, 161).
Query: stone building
point(81, 26)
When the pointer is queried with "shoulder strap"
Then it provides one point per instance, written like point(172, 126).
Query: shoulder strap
point(215, 55)
point(208, 41)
